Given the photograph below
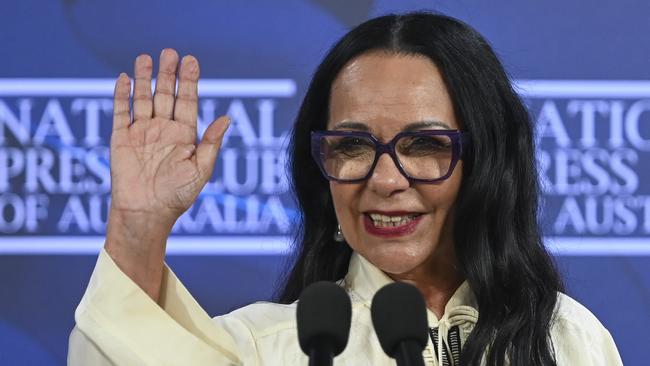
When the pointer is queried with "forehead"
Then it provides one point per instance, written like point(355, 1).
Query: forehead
point(387, 92)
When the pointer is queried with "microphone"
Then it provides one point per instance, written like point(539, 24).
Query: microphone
point(324, 314)
point(399, 316)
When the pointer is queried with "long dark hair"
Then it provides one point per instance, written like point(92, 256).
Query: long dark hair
point(502, 256)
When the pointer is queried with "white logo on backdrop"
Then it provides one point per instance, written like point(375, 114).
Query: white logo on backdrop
point(592, 139)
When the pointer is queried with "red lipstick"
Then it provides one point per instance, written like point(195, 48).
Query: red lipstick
point(391, 231)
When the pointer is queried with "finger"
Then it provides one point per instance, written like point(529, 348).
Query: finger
point(142, 102)
point(206, 152)
point(121, 110)
point(185, 108)
point(163, 99)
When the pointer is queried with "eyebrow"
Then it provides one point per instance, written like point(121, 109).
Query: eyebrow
point(413, 126)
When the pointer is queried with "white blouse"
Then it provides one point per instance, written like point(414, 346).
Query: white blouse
point(119, 324)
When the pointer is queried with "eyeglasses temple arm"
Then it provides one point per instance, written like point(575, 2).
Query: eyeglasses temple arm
point(465, 140)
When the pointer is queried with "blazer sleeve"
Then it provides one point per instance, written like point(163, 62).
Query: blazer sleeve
point(580, 339)
point(119, 324)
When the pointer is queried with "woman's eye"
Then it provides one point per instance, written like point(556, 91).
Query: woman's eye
point(352, 146)
point(423, 141)
point(424, 144)
point(352, 143)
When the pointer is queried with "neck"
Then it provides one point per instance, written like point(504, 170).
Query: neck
point(437, 281)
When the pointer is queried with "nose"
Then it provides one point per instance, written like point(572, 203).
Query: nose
point(386, 178)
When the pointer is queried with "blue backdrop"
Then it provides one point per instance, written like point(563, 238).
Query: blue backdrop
point(582, 68)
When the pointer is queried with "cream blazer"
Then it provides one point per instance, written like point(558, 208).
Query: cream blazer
point(119, 324)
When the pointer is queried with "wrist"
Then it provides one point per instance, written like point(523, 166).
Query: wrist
point(136, 242)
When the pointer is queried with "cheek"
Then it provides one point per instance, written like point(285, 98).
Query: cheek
point(343, 197)
point(443, 196)
point(442, 200)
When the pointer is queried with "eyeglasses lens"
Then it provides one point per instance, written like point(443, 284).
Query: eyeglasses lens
point(425, 157)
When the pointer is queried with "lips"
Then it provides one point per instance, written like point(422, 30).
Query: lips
point(380, 220)
point(391, 224)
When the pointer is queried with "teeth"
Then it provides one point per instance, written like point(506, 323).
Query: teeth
point(386, 221)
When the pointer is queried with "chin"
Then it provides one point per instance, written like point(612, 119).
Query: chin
point(399, 261)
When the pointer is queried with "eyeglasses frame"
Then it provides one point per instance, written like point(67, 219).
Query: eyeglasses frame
point(458, 140)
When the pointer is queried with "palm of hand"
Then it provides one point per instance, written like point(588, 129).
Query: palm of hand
point(148, 173)
point(156, 166)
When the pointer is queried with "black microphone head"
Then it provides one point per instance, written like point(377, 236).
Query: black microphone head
point(324, 313)
point(399, 313)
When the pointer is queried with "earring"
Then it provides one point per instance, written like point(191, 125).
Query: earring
point(338, 235)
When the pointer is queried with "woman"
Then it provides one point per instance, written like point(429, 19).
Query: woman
point(427, 160)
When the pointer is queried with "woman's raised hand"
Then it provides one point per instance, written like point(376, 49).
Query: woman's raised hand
point(157, 168)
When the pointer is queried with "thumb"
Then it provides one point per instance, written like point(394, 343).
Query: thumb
point(206, 152)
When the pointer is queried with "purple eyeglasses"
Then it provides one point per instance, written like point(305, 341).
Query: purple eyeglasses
point(425, 156)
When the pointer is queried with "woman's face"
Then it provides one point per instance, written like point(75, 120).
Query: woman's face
point(386, 94)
